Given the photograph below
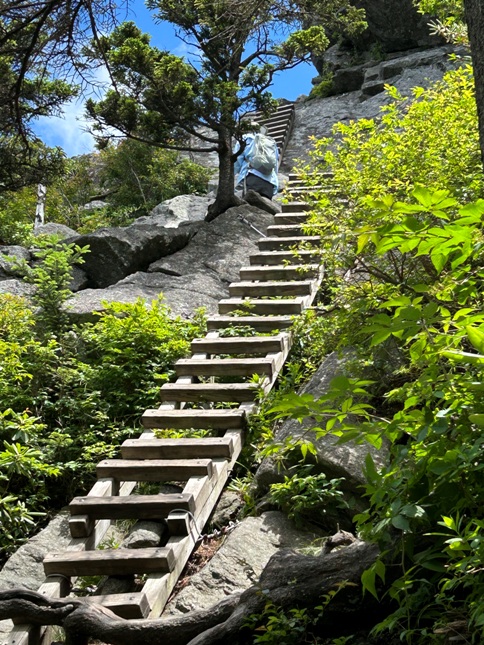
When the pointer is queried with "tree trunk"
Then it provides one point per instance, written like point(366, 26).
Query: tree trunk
point(474, 16)
point(226, 197)
point(288, 580)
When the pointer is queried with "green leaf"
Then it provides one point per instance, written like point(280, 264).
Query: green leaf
point(368, 582)
point(438, 260)
point(476, 338)
point(400, 522)
point(449, 522)
point(478, 419)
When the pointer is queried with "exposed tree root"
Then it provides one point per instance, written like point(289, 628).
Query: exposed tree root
point(289, 579)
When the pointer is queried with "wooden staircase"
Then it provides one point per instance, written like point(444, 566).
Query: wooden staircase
point(278, 283)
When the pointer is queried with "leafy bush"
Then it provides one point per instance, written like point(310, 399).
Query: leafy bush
point(308, 498)
point(140, 176)
point(70, 396)
point(405, 266)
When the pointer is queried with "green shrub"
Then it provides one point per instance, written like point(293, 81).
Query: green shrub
point(307, 498)
point(69, 397)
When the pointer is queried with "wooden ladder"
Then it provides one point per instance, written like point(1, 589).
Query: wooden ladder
point(278, 283)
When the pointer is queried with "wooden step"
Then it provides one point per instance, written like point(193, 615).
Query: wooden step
point(239, 345)
point(285, 230)
point(204, 392)
point(197, 419)
point(129, 606)
point(277, 129)
point(251, 289)
point(275, 243)
point(127, 507)
point(285, 307)
point(295, 206)
point(110, 562)
point(279, 272)
point(259, 323)
point(293, 177)
point(224, 366)
point(290, 218)
point(153, 470)
point(282, 257)
point(183, 448)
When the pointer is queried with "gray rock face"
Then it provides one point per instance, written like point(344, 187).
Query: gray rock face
point(239, 562)
point(118, 252)
point(184, 294)
point(16, 287)
point(13, 253)
point(316, 117)
point(25, 568)
point(196, 276)
point(173, 212)
point(144, 534)
point(51, 228)
point(395, 24)
point(344, 460)
point(220, 247)
point(254, 199)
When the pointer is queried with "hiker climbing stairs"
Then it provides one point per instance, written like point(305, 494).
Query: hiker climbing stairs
point(214, 391)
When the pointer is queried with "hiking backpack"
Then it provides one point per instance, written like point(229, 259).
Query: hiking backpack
point(264, 154)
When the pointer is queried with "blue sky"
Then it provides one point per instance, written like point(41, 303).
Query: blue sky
point(69, 132)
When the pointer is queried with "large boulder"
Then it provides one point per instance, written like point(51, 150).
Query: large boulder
point(184, 294)
point(239, 562)
point(220, 247)
point(344, 460)
point(118, 252)
point(316, 117)
point(395, 25)
point(180, 209)
point(8, 256)
point(196, 276)
point(52, 228)
point(25, 567)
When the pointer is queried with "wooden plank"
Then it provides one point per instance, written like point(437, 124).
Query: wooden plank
point(285, 307)
point(159, 587)
point(284, 257)
point(259, 323)
point(295, 206)
point(200, 488)
point(153, 470)
point(183, 448)
point(198, 419)
point(83, 525)
point(58, 586)
point(224, 366)
point(204, 392)
point(275, 243)
point(290, 218)
point(285, 230)
point(129, 606)
point(271, 288)
point(146, 507)
point(239, 345)
point(110, 562)
point(279, 272)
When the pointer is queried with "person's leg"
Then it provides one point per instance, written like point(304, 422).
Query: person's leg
point(261, 186)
